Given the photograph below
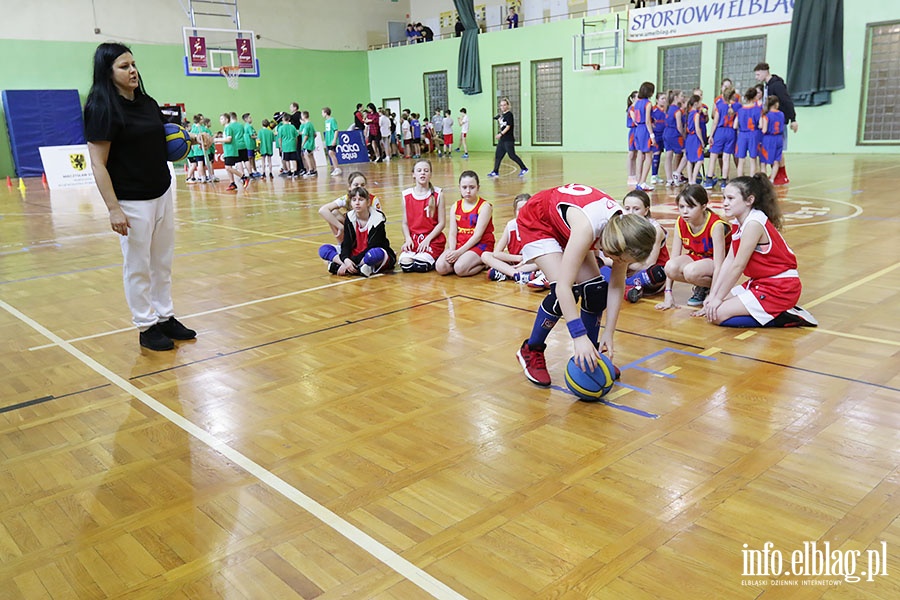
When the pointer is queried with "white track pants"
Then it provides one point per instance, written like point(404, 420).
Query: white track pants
point(148, 250)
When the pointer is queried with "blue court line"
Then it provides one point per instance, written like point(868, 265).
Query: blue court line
point(628, 409)
point(666, 350)
point(633, 387)
point(651, 371)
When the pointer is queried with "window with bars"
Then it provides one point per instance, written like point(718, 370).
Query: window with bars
point(736, 59)
point(881, 86)
point(546, 118)
point(508, 84)
point(679, 68)
point(436, 97)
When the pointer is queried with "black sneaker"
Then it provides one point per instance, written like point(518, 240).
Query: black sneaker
point(698, 296)
point(634, 294)
point(155, 339)
point(333, 267)
point(174, 329)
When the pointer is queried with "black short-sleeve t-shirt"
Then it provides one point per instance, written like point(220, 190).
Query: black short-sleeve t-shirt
point(506, 119)
point(137, 152)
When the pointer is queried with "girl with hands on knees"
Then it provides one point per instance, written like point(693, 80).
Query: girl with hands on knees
point(423, 222)
point(769, 297)
point(704, 243)
point(335, 212)
point(471, 231)
point(365, 249)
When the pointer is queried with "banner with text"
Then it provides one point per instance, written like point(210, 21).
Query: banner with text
point(351, 147)
point(694, 17)
point(67, 166)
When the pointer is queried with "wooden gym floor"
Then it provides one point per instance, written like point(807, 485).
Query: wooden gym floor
point(329, 438)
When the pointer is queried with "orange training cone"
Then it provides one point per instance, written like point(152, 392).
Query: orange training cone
point(44, 179)
point(8, 181)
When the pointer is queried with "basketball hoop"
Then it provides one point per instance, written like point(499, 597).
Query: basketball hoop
point(231, 74)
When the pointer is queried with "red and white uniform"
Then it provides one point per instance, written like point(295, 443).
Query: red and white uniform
point(418, 221)
point(542, 221)
point(700, 245)
point(514, 246)
point(663, 256)
point(774, 284)
point(362, 238)
point(466, 221)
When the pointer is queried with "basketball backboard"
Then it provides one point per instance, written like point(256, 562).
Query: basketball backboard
point(207, 50)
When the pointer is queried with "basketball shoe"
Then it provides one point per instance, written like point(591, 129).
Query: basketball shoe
point(698, 296)
point(495, 275)
point(173, 328)
point(535, 366)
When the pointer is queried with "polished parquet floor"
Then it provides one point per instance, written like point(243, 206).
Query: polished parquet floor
point(331, 437)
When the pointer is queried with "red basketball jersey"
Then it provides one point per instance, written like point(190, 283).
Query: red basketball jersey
point(767, 260)
point(700, 244)
point(514, 246)
point(466, 221)
point(362, 238)
point(663, 257)
point(417, 219)
point(597, 205)
point(544, 215)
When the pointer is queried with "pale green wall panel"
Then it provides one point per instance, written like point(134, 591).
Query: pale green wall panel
point(594, 102)
point(312, 78)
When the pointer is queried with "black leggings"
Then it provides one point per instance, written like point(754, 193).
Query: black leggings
point(505, 147)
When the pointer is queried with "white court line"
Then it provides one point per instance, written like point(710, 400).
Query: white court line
point(403, 567)
point(214, 310)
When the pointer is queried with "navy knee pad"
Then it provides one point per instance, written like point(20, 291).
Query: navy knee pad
point(421, 266)
point(656, 274)
point(593, 294)
point(327, 252)
point(550, 303)
point(740, 321)
point(375, 257)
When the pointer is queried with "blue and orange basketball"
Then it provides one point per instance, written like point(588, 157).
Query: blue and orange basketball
point(591, 386)
point(178, 142)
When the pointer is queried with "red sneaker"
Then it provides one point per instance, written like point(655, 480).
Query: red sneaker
point(781, 177)
point(532, 360)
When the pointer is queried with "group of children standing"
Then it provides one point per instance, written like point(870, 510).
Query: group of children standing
point(409, 135)
point(683, 129)
point(242, 142)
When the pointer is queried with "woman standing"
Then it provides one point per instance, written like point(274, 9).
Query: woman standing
point(126, 142)
point(506, 140)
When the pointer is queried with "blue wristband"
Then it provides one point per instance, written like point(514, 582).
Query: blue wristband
point(576, 328)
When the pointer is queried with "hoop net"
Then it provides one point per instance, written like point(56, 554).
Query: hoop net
point(232, 75)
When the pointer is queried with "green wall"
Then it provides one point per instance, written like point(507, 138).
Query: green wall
point(306, 76)
point(594, 102)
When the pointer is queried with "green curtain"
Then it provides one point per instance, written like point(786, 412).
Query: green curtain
point(469, 77)
point(816, 51)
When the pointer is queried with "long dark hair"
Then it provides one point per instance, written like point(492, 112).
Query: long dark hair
point(102, 101)
point(765, 198)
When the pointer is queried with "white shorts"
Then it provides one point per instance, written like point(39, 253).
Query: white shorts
point(532, 250)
